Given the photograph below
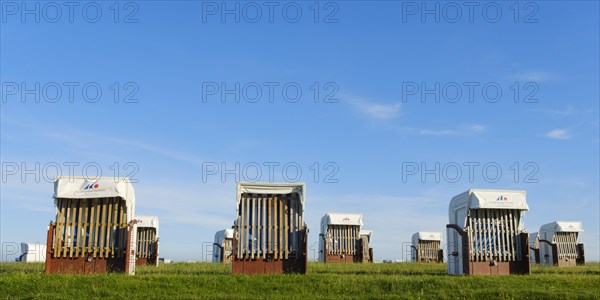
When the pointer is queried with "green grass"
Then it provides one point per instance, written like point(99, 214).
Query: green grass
point(205, 280)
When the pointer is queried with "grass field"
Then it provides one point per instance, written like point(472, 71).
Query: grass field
point(206, 280)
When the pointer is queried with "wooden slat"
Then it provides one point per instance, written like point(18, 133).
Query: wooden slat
point(475, 214)
point(139, 242)
point(498, 234)
point(97, 225)
point(103, 216)
point(489, 237)
point(286, 223)
point(263, 237)
point(255, 217)
point(280, 226)
point(344, 233)
point(337, 240)
point(252, 226)
point(124, 226)
point(145, 243)
point(332, 233)
point(275, 215)
point(240, 225)
point(295, 229)
point(78, 228)
point(471, 239)
point(270, 224)
point(300, 223)
point(109, 236)
point(493, 242)
point(511, 229)
point(515, 234)
point(559, 244)
point(246, 204)
point(72, 226)
point(91, 227)
point(352, 240)
point(140, 238)
point(86, 227)
point(474, 233)
point(67, 229)
point(507, 237)
point(60, 221)
point(292, 219)
point(114, 243)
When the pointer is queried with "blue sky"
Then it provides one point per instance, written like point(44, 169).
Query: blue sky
point(369, 60)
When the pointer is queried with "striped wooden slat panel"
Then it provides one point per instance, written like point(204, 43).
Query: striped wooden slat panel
point(494, 235)
point(83, 227)
point(427, 250)
point(268, 224)
point(566, 244)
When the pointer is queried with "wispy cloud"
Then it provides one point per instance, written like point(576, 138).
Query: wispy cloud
point(535, 76)
point(560, 113)
point(459, 130)
point(379, 111)
point(372, 109)
point(90, 140)
point(559, 134)
point(157, 150)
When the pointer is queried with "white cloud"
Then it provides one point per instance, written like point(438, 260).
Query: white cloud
point(86, 140)
point(459, 130)
point(374, 110)
point(476, 128)
point(560, 113)
point(379, 111)
point(559, 134)
point(536, 76)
